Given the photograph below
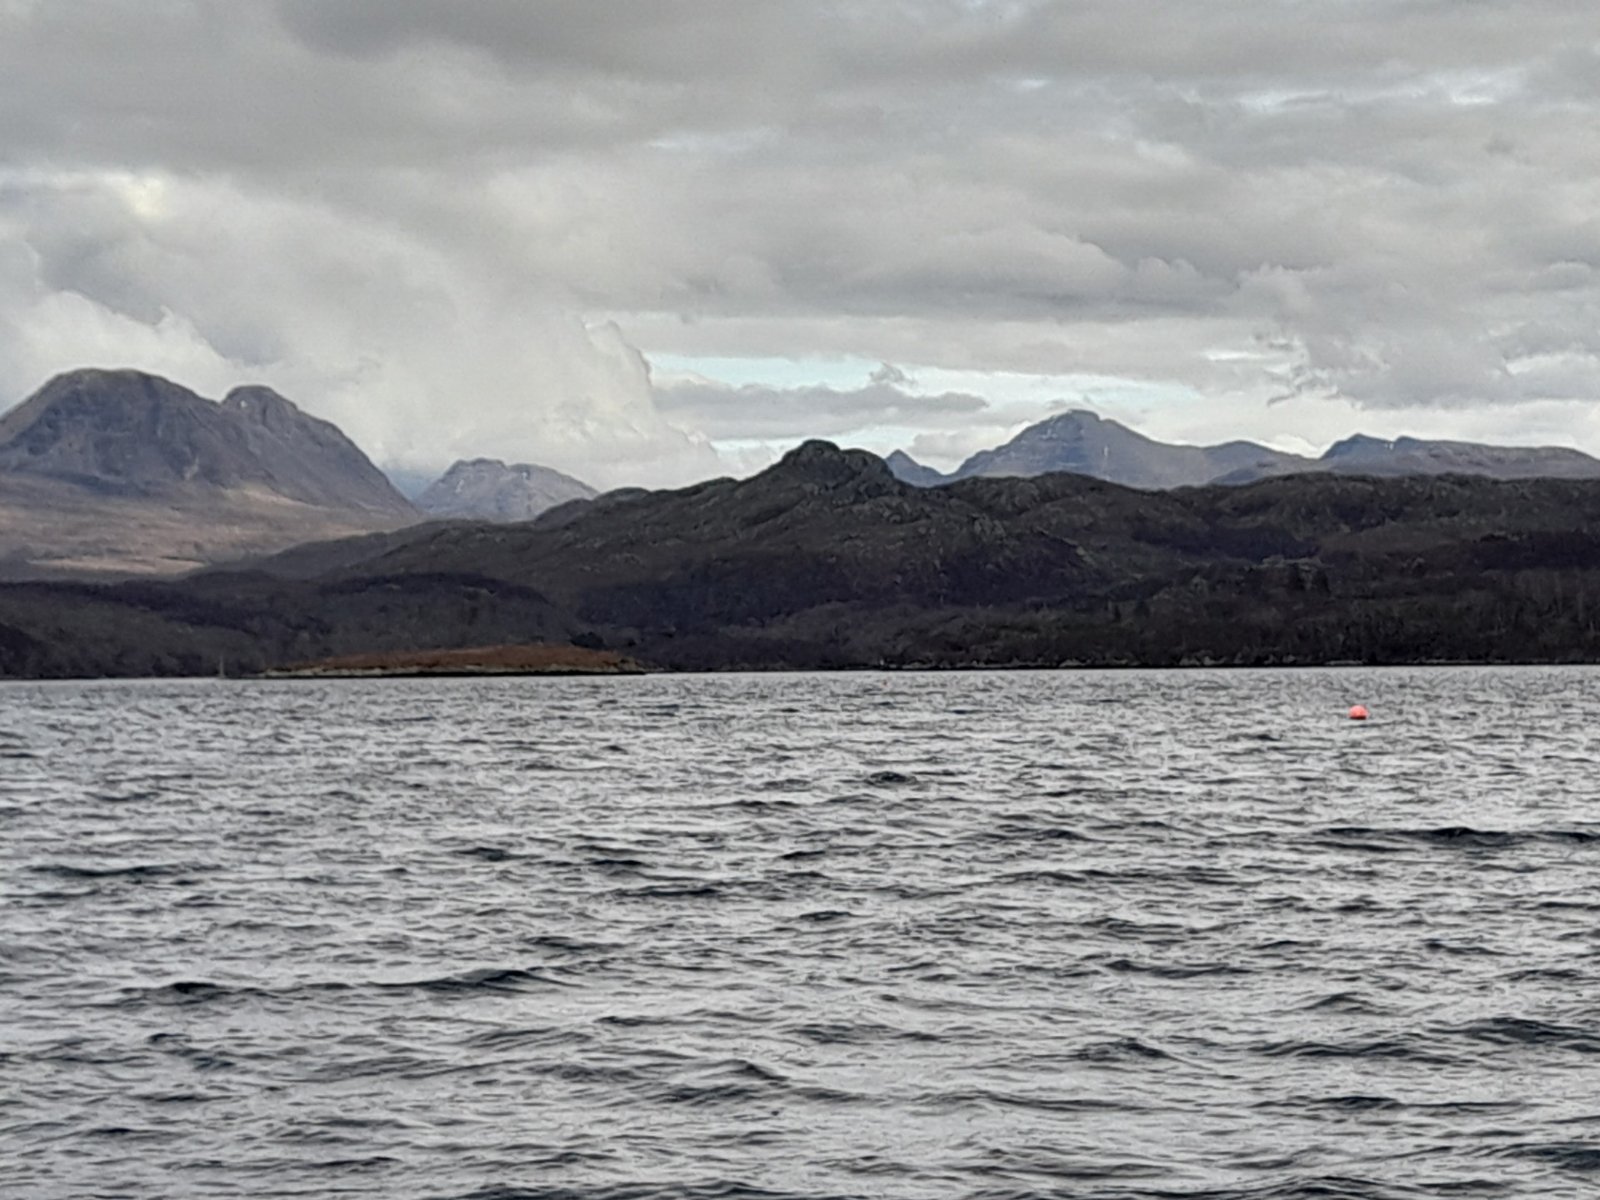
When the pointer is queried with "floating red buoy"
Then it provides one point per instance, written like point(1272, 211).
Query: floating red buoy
point(1358, 712)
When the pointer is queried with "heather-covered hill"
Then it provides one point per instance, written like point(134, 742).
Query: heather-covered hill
point(827, 559)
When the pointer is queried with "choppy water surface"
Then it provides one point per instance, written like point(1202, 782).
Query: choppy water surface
point(1001, 935)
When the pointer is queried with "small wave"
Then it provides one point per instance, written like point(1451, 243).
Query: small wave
point(676, 1190)
point(1554, 974)
point(826, 916)
point(1127, 966)
point(492, 854)
point(561, 944)
point(513, 1038)
point(1120, 1050)
point(1524, 1031)
point(482, 979)
point(182, 992)
point(1032, 1102)
point(1349, 1103)
point(132, 797)
point(1579, 1157)
point(667, 891)
point(1461, 949)
point(840, 1033)
point(713, 1095)
point(200, 991)
point(1046, 876)
point(616, 863)
point(1346, 1002)
point(1377, 1048)
point(1462, 837)
point(890, 779)
point(137, 871)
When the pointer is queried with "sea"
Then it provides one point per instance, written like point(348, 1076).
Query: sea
point(1120, 935)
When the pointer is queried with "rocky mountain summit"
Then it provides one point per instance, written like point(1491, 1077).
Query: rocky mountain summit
point(1088, 444)
point(124, 472)
point(908, 470)
point(486, 489)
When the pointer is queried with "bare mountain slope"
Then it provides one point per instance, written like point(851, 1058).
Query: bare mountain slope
point(486, 489)
point(1087, 444)
point(125, 472)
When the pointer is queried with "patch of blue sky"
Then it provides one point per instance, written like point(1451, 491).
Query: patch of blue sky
point(1110, 394)
point(1049, 392)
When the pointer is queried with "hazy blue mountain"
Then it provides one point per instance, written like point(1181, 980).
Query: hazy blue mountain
point(908, 470)
point(1415, 456)
point(1087, 444)
point(486, 489)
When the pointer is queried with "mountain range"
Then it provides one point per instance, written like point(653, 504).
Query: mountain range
point(117, 473)
point(1088, 444)
point(113, 473)
point(120, 472)
point(827, 560)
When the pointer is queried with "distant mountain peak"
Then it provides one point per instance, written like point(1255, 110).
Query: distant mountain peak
point(263, 405)
point(137, 433)
point(1359, 443)
point(1077, 416)
point(823, 462)
point(908, 470)
point(487, 489)
point(1085, 443)
point(1073, 425)
point(122, 466)
point(1363, 454)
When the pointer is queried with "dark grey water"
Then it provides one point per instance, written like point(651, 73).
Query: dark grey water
point(1098, 935)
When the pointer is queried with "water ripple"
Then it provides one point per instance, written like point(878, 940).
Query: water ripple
point(1115, 936)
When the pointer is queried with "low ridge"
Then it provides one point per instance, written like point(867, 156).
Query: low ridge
point(1087, 444)
point(826, 560)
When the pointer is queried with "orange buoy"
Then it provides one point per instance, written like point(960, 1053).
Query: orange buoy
point(1358, 712)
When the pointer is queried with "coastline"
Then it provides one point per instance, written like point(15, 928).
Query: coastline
point(634, 669)
point(505, 659)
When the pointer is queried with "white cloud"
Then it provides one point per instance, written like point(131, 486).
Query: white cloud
point(416, 355)
point(418, 216)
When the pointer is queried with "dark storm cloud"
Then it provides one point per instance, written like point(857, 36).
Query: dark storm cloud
point(1392, 202)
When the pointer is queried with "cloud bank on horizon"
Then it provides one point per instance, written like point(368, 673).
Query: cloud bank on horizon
point(470, 228)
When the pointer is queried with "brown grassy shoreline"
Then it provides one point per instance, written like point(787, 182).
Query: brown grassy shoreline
point(534, 659)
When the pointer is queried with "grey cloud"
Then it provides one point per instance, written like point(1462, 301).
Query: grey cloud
point(1387, 201)
point(753, 412)
point(668, 40)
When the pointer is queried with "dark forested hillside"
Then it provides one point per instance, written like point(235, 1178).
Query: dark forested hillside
point(828, 560)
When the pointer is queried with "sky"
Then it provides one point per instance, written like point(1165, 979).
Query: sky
point(653, 241)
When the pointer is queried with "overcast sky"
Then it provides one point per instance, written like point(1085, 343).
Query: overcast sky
point(652, 241)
